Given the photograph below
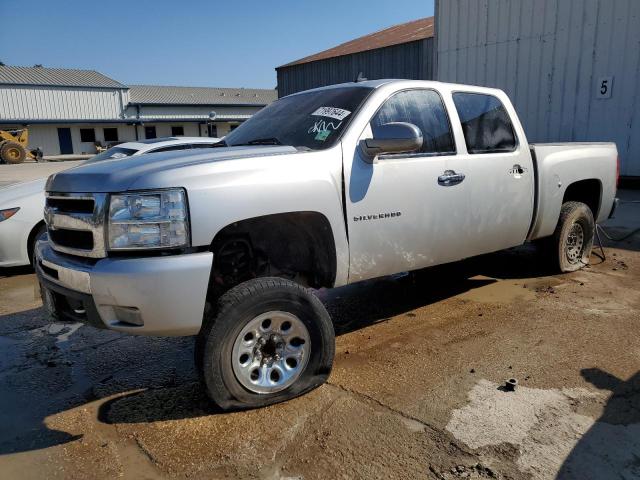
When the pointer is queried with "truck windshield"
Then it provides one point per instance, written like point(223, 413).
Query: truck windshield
point(313, 120)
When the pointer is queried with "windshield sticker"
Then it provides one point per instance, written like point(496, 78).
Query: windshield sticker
point(322, 135)
point(331, 112)
point(322, 125)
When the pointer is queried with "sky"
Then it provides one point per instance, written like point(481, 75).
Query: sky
point(189, 43)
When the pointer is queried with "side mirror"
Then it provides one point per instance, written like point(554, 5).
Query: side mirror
point(393, 137)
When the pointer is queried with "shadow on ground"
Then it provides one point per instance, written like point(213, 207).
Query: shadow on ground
point(6, 272)
point(616, 432)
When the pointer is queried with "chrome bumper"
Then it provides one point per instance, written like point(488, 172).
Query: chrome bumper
point(143, 295)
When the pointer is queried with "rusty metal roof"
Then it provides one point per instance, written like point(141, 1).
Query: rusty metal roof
point(403, 33)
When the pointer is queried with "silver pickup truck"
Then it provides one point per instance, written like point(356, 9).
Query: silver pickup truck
point(320, 189)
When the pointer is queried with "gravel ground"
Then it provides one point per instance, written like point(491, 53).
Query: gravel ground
point(417, 389)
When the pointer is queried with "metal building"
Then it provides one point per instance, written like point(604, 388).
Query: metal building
point(401, 51)
point(72, 111)
point(572, 67)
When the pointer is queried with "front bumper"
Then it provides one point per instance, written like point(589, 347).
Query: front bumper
point(162, 295)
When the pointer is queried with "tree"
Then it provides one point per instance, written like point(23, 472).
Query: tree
point(37, 65)
point(1, 63)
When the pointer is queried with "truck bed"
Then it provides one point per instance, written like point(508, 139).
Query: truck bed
point(559, 165)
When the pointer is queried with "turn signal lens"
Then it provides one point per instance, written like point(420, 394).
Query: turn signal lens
point(8, 213)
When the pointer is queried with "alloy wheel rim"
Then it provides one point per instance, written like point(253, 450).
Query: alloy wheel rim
point(271, 352)
point(575, 243)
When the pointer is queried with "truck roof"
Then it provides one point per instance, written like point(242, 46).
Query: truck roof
point(373, 84)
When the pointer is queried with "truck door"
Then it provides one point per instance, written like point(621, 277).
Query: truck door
point(399, 218)
point(498, 169)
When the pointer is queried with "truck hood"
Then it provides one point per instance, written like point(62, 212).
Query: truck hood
point(117, 175)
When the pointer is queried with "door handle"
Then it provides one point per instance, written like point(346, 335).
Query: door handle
point(450, 178)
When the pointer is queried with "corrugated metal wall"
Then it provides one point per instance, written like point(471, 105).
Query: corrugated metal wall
point(60, 103)
point(551, 57)
point(413, 60)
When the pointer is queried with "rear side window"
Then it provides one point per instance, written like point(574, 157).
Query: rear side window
point(423, 108)
point(485, 122)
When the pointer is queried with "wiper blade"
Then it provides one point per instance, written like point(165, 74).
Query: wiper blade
point(221, 143)
point(263, 141)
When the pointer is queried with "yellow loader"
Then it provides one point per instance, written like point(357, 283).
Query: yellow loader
point(13, 147)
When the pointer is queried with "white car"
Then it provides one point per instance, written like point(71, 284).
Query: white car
point(22, 204)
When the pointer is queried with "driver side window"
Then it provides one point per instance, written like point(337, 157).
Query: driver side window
point(424, 109)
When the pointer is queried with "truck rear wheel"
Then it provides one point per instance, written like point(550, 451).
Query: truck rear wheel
point(573, 237)
point(268, 340)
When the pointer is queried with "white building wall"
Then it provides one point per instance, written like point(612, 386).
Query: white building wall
point(45, 136)
point(35, 104)
point(551, 57)
point(61, 103)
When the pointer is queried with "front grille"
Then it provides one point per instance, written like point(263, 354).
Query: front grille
point(76, 223)
point(72, 238)
point(79, 205)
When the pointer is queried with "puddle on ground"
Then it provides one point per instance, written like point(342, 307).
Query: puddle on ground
point(63, 331)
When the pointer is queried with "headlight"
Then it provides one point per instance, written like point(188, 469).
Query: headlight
point(148, 220)
point(8, 213)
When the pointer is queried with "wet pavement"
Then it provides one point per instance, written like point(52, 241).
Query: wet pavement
point(416, 391)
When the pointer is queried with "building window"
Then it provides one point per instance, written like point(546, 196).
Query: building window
point(110, 134)
point(150, 132)
point(177, 131)
point(212, 130)
point(233, 127)
point(485, 122)
point(87, 135)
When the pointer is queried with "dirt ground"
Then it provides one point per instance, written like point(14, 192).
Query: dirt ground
point(416, 390)
point(24, 172)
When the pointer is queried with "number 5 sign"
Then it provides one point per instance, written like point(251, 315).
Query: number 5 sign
point(603, 87)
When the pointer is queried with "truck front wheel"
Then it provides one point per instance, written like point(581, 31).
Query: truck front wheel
point(266, 341)
point(573, 237)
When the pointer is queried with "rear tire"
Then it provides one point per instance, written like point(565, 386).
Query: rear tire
point(573, 237)
point(268, 340)
point(12, 152)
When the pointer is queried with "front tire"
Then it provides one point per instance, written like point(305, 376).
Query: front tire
point(573, 237)
point(267, 341)
point(38, 234)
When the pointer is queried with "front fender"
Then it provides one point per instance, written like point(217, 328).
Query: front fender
point(222, 193)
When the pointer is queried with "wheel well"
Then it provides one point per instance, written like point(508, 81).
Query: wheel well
point(296, 245)
point(32, 237)
point(588, 192)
